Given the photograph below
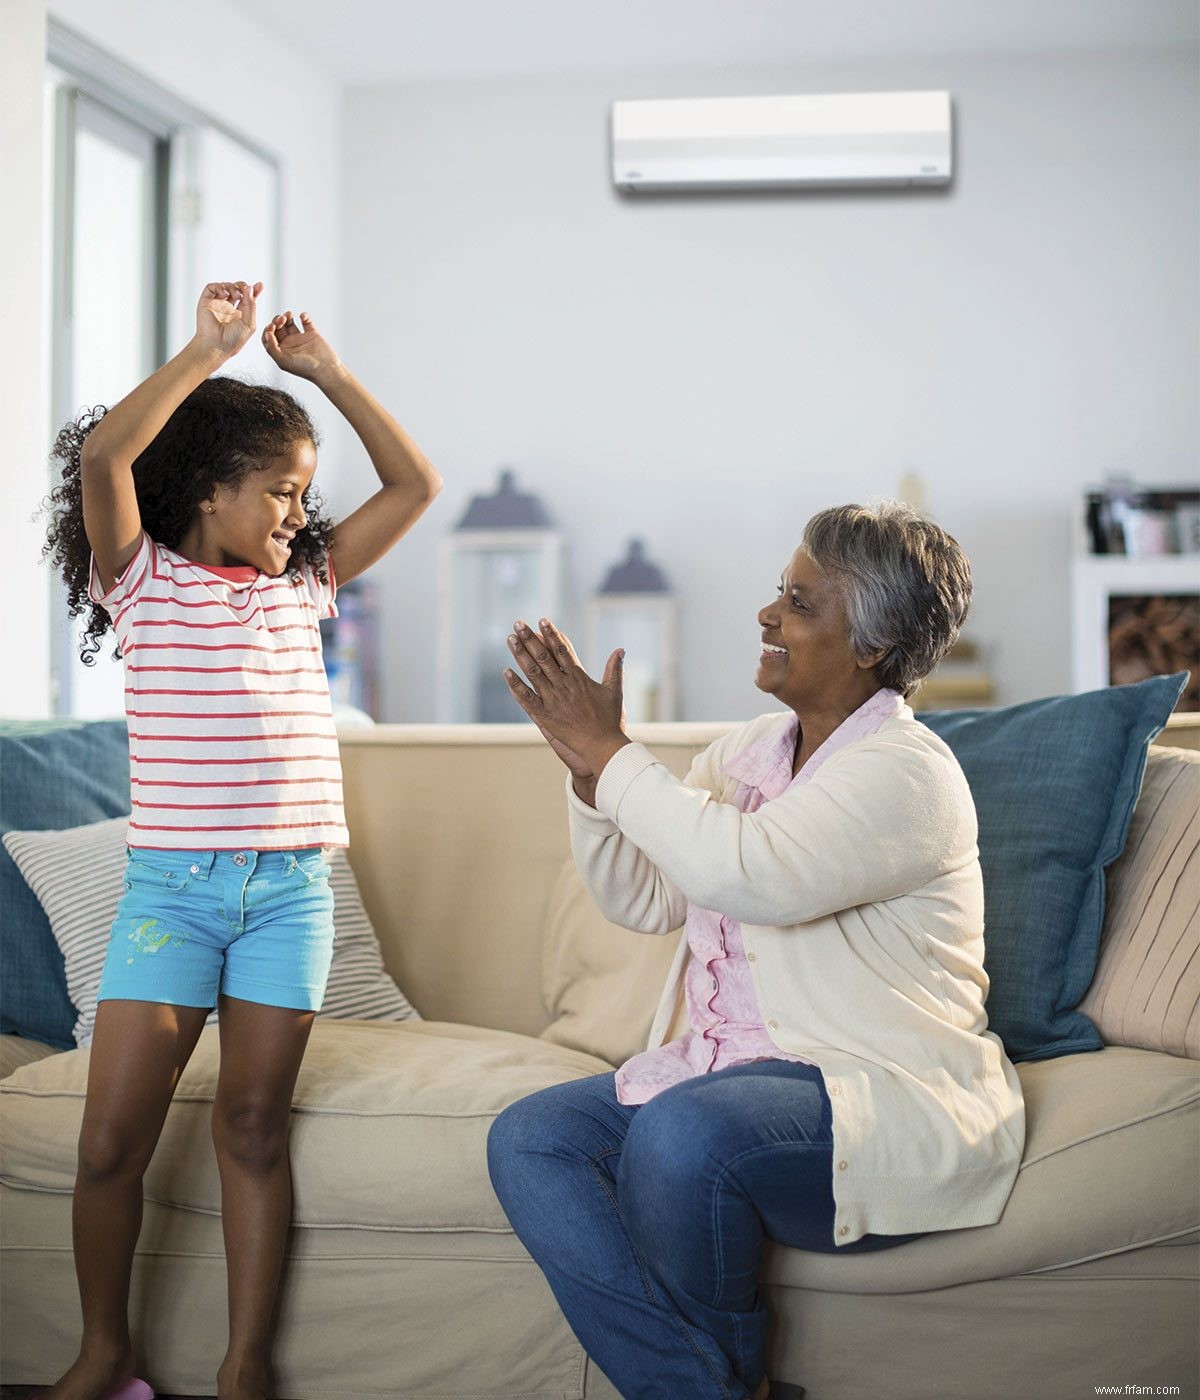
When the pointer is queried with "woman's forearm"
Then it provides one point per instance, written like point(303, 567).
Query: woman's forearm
point(626, 886)
point(874, 825)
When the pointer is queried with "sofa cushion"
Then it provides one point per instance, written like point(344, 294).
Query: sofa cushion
point(1055, 783)
point(78, 876)
point(52, 775)
point(600, 983)
point(1110, 1165)
point(389, 1123)
point(1146, 990)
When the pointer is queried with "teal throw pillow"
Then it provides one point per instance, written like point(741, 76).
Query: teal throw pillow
point(1054, 782)
point(53, 774)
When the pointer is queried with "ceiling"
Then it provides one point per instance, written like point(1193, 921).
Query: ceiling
point(362, 42)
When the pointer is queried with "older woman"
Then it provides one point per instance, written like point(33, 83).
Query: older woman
point(820, 1071)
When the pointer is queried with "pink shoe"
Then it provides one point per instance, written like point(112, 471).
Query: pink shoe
point(131, 1390)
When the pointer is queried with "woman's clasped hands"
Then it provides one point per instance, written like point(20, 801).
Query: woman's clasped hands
point(582, 720)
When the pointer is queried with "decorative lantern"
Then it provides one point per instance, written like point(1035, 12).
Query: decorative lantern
point(503, 561)
point(635, 609)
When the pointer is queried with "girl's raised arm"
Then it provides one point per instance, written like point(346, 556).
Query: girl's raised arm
point(409, 481)
point(224, 322)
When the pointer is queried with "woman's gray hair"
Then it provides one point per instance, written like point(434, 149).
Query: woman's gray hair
point(906, 585)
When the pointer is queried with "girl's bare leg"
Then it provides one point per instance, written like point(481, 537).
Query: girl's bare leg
point(261, 1051)
point(138, 1053)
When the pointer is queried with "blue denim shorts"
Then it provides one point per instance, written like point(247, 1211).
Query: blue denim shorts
point(257, 925)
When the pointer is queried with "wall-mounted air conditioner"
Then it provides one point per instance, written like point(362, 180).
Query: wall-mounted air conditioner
point(756, 143)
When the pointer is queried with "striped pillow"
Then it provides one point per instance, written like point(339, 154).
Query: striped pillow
point(78, 875)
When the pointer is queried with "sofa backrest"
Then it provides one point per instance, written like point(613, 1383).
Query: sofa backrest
point(458, 834)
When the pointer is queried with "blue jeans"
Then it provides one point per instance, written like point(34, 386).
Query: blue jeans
point(649, 1221)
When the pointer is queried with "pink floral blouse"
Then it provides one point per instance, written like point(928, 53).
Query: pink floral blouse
point(726, 1025)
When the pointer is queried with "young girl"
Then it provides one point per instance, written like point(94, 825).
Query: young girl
point(186, 519)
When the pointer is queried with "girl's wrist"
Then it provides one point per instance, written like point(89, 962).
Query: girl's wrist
point(330, 376)
point(205, 354)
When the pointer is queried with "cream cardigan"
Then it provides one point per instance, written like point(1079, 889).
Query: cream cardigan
point(861, 904)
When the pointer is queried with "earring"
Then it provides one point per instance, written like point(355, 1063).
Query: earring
point(210, 510)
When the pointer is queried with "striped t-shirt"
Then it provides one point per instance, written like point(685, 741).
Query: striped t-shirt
point(231, 736)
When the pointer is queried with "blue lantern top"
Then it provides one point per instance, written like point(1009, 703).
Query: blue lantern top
point(508, 509)
point(636, 575)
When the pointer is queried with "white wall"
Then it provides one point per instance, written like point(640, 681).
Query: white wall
point(710, 371)
point(23, 472)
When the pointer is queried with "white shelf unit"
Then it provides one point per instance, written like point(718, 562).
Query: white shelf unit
point(1097, 578)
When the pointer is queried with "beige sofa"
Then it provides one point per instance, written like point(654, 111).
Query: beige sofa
point(403, 1278)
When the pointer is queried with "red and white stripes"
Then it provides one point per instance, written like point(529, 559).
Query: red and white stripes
point(231, 734)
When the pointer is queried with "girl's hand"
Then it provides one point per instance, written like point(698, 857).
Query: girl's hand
point(299, 348)
point(582, 720)
point(225, 316)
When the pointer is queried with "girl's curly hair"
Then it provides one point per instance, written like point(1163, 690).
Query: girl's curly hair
point(224, 430)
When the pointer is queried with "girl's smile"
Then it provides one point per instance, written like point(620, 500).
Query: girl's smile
point(255, 522)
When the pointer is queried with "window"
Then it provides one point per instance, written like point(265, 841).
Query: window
point(108, 309)
point(150, 199)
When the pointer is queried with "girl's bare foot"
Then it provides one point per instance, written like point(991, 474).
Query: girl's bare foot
point(92, 1376)
point(764, 1389)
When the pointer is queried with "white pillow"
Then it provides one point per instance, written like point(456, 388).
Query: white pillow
point(78, 876)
